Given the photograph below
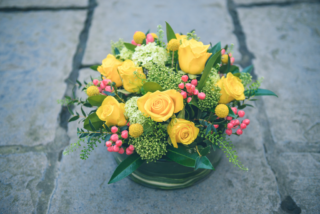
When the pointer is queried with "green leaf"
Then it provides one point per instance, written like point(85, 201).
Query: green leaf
point(248, 69)
point(70, 111)
point(116, 51)
point(215, 48)
point(144, 42)
point(124, 91)
point(83, 113)
point(147, 129)
point(208, 129)
point(194, 101)
point(96, 100)
point(182, 114)
point(79, 83)
point(123, 128)
point(231, 113)
point(95, 121)
point(108, 137)
point(126, 167)
point(204, 151)
point(73, 118)
point(151, 87)
point(130, 46)
point(204, 163)
point(234, 70)
point(198, 161)
point(170, 32)
point(91, 126)
point(212, 60)
point(260, 92)
point(147, 32)
point(181, 156)
point(94, 67)
point(109, 93)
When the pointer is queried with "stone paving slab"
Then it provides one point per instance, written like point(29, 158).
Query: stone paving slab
point(248, 2)
point(111, 22)
point(81, 186)
point(286, 48)
point(35, 59)
point(41, 3)
point(19, 176)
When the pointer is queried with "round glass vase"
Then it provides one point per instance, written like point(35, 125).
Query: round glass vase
point(167, 174)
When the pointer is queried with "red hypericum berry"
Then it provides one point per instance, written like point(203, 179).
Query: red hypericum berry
point(184, 94)
point(237, 122)
point(229, 132)
point(194, 82)
point(231, 60)
point(193, 87)
point(195, 92)
point(190, 94)
point(189, 90)
point(124, 134)
point(188, 85)
point(129, 152)
point(216, 126)
point(230, 125)
point(184, 78)
point(95, 82)
point(234, 109)
point(223, 51)
point(241, 113)
point(105, 81)
point(102, 85)
point(114, 129)
point(110, 149)
point(108, 89)
point(201, 96)
point(116, 148)
point(131, 148)
point(181, 85)
point(121, 151)
point(229, 118)
point(239, 131)
point(119, 143)
point(128, 124)
point(189, 99)
point(246, 121)
point(108, 143)
point(114, 137)
point(243, 126)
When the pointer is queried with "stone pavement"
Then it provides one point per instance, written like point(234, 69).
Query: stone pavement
point(44, 43)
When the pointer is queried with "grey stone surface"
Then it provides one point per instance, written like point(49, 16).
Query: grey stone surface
point(210, 20)
point(19, 176)
point(248, 2)
point(286, 42)
point(82, 186)
point(40, 3)
point(35, 59)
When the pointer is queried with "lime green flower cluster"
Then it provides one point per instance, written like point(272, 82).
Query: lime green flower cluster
point(150, 54)
point(246, 80)
point(193, 35)
point(160, 35)
point(212, 97)
point(133, 113)
point(119, 44)
point(125, 54)
point(164, 76)
point(213, 77)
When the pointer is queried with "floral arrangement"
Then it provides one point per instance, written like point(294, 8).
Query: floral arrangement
point(174, 101)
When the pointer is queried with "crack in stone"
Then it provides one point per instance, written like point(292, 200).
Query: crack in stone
point(278, 4)
point(36, 9)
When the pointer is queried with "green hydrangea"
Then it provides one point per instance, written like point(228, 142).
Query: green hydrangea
point(247, 82)
point(119, 44)
point(213, 77)
point(212, 97)
point(164, 76)
point(150, 54)
point(125, 53)
point(151, 146)
point(133, 113)
point(160, 35)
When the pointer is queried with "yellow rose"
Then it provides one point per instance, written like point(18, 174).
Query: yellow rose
point(193, 56)
point(109, 69)
point(182, 131)
point(231, 88)
point(181, 38)
point(160, 106)
point(112, 112)
point(131, 82)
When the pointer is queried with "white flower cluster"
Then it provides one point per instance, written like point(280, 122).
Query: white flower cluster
point(133, 113)
point(146, 55)
point(125, 53)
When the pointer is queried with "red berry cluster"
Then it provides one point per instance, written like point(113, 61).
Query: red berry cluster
point(233, 124)
point(104, 85)
point(114, 144)
point(191, 89)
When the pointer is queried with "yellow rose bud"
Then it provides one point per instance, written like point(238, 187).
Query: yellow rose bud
point(222, 110)
point(135, 130)
point(181, 38)
point(231, 88)
point(193, 56)
point(160, 106)
point(154, 35)
point(224, 58)
point(92, 90)
point(138, 37)
point(173, 45)
point(132, 76)
point(109, 69)
point(182, 131)
point(112, 112)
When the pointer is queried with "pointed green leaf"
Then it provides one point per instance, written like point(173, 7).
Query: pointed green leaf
point(95, 121)
point(130, 46)
point(181, 156)
point(170, 32)
point(144, 42)
point(212, 60)
point(70, 111)
point(205, 163)
point(182, 114)
point(215, 48)
point(260, 92)
point(198, 161)
point(248, 69)
point(126, 167)
point(73, 118)
point(94, 67)
point(231, 113)
point(108, 137)
point(96, 100)
point(116, 51)
point(91, 126)
point(123, 128)
point(83, 113)
point(151, 87)
point(147, 129)
point(109, 93)
point(124, 91)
